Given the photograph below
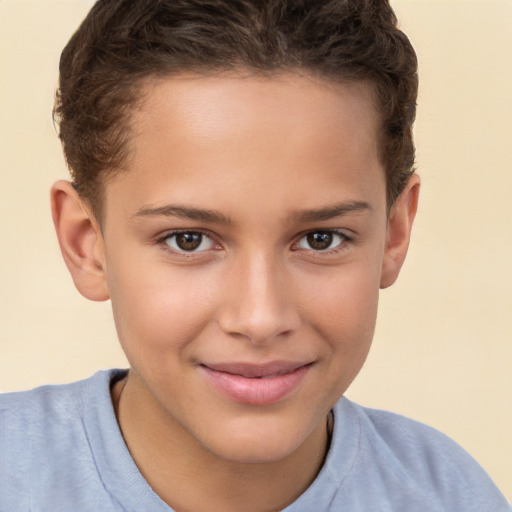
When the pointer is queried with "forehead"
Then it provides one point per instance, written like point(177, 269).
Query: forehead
point(191, 132)
point(228, 104)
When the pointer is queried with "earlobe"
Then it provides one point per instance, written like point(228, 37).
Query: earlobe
point(80, 241)
point(401, 218)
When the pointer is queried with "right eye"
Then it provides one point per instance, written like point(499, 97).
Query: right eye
point(189, 241)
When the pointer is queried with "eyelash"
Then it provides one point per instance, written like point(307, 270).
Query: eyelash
point(342, 245)
point(345, 240)
point(163, 240)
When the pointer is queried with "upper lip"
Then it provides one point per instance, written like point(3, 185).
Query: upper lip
point(250, 370)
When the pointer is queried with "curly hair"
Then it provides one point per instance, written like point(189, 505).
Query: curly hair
point(121, 43)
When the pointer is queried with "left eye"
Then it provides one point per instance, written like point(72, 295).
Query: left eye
point(321, 240)
point(189, 241)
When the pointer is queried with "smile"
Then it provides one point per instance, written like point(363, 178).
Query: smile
point(256, 384)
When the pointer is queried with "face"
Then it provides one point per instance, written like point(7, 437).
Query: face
point(243, 253)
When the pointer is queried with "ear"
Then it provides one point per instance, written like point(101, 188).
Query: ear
point(80, 240)
point(398, 233)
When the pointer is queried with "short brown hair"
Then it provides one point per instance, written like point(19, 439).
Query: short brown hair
point(122, 42)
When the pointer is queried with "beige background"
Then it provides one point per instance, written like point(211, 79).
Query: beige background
point(443, 347)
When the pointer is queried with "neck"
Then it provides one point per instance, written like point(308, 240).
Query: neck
point(188, 477)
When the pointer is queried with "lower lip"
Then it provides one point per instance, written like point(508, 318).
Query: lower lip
point(256, 391)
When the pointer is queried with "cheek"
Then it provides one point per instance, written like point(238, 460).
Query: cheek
point(344, 318)
point(157, 309)
point(343, 315)
point(343, 303)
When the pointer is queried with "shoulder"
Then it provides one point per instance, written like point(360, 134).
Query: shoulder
point(44, 439)
point(406, 439)
point(410, 462)
point(49, 407)
point(45, 413)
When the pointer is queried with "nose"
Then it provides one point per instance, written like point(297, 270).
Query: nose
point(259, 304)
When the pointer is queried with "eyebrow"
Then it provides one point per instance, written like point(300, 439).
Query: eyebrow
point(203, 215)
point(333, 211)
point(185, 212)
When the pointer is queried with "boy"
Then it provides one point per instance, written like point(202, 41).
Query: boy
point(242, 188)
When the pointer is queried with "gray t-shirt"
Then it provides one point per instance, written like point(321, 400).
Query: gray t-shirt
point(61, 450)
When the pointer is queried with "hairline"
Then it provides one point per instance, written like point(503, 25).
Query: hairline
point(144, 84)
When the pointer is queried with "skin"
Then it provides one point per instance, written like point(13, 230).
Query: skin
point(275, 159)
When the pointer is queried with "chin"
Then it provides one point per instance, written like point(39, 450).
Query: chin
point(255, 441)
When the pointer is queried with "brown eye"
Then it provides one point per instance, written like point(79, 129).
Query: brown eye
point(189, 241)
point(322, 239)
point(319, 240)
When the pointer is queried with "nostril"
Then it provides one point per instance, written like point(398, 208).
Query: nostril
point(259, 328)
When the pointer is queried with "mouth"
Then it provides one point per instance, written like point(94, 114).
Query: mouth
point(256, 384)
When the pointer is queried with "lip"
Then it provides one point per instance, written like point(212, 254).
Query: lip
point(256, 384)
